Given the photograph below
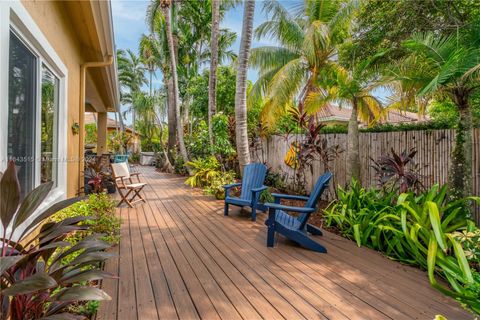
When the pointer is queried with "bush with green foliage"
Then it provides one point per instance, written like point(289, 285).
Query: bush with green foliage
point(207, 173)
point(99, 211)
point(134, 157)
point(420, 230)
point(198, 143)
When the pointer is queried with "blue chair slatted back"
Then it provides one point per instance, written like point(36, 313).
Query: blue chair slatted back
point(253, 177)
point(120, 158)
point(320, 186)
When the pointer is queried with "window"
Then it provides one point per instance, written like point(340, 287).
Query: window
point(50, 84)
point(33, 98)
point(22, 111)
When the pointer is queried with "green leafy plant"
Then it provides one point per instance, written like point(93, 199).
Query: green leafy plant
point(207, 173)
point(34, 283)
point(266, 196)
point(134, 157)
point(275, 179)
point(420, 230)
point(100, 211)
point(360, 214)
point(470, 241)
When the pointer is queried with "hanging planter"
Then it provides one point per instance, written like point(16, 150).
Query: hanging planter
point(75, 128)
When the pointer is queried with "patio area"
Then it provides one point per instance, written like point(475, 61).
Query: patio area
point(179, 257)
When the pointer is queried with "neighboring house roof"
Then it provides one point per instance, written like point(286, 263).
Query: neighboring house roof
point(111, 123)
point(331, 113)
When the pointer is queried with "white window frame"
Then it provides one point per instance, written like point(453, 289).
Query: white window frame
point(14, 16)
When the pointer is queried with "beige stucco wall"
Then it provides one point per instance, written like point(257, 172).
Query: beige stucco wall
point(52, 20)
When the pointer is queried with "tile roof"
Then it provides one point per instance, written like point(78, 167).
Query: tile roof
point(335, 113)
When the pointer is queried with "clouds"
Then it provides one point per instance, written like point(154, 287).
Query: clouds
point(129, 22)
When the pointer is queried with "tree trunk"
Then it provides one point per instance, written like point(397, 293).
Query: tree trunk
point(172, 120)
point(173, 63)
point(241, 86)
point(151, 80)
point(167, 165)
point(461, 171)
point(212, 81)
point(353, 149)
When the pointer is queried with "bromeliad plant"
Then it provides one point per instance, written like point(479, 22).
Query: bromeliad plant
point(34, 284)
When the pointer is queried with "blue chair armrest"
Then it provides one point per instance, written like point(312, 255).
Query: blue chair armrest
point(255, 190)
point(256, 194)
point(228, 186)
point(277, 206)
point(289, 196)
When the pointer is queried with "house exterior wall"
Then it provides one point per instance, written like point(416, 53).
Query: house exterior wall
point(53, 21)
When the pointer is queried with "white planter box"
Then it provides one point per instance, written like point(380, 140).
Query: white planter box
point(147, 158)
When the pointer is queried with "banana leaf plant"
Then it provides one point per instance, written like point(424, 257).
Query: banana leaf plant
point(35, 282)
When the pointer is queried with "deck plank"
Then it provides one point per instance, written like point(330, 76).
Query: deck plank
point(180, 258)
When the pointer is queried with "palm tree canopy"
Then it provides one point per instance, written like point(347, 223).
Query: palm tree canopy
point(445, 61)
point(306, 39)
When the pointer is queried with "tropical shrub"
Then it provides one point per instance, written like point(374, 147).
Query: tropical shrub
point(358, 212)
point(198, 143)
point(469, 238)
point(33, 282)
point(208, 174)
point(135, 156)
point(274, 179)
point(98, 177)
point(419, 230)
point(398, 171)
point(99, 209)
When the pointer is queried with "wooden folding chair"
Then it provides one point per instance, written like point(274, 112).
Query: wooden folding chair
point(128, 191)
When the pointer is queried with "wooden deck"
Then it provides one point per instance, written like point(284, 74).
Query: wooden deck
point(180, 258)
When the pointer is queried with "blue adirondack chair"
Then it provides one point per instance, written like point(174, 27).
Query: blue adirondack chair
point(296, 228)
point(252, 185)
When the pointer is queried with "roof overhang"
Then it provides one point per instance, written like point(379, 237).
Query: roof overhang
point(93, 23)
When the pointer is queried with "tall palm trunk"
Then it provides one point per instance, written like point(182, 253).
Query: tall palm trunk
point(172, 119)
point(174, 75)
point(461, 170)
point(212, 81)
point(151, 82)
point(353, 148)
point(241, 85)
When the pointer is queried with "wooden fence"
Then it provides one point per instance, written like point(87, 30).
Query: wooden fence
point(433, 156)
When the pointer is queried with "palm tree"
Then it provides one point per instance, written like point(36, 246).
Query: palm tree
point(159, 47)
point(212, 80)
point(131, 74)
point(165, 5)
point(307, 42)
point(241, 85)
point(149, 59)
point(445, 64)
point(351, 88)
point(151, 110)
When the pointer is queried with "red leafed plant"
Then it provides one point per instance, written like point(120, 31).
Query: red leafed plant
point(35, 280)
point(398, 171)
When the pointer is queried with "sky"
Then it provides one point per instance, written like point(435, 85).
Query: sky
point(129, 24)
